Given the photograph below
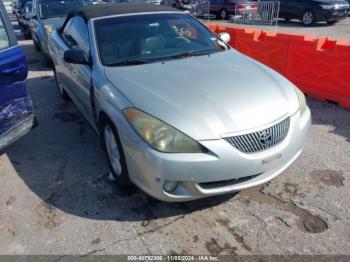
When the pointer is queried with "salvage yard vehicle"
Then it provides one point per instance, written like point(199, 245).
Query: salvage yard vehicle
point(223, 9)
point(153, 2)
point(18, 7)
point(179, 4)
point(16, 111)
point(48, 15)
point(180, 113)
point(312, 11)
point(27, 15)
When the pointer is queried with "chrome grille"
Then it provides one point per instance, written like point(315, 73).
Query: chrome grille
point(261, 140)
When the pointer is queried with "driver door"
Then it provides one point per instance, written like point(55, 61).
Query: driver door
point(79, 78)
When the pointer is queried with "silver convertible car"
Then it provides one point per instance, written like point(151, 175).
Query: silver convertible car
point(180, 113)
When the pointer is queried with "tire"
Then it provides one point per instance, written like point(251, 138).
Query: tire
point(308, 18)
point(116, 160)
point(331, 22)
point(36, 45)
point(19, 22)
point(26, 32)
point(48, 61)
point(63, 94)
point(223, 14)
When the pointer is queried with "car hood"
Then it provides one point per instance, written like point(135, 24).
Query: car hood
point(206, 97)
point(55, 22)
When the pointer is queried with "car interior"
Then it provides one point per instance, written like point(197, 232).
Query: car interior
point(151, 40)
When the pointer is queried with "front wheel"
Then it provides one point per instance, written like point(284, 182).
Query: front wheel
point(63, 94)
point(223, 14)
point(36, 45)
point(26, 32)
point(308, 18)
point(114, 152)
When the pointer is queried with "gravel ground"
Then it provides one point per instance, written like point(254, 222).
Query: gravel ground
point(56, 197)
point(340, 30)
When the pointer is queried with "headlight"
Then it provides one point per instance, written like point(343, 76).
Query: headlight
point(302, 100)
point(48, 28)
point(159, 135)
point(327, 7)
point(341, 6)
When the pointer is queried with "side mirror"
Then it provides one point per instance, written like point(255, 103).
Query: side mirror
point(225, 37)
point(76, 56)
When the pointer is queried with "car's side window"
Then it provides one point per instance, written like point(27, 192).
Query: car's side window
point(66, 35)
point(4, 39)
point(66, 29)
point(28, 8)
point(79, 34)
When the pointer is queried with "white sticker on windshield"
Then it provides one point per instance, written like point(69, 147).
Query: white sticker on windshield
point(182, 31)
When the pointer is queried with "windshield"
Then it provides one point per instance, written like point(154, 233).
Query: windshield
point(4, 40)
point(59, 8)
point(148, 38)
point(28, 8)
point(22, 3)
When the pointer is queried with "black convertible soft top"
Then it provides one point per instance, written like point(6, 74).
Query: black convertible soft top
point(94, 11)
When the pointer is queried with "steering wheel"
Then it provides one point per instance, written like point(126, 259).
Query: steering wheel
point(177, 41)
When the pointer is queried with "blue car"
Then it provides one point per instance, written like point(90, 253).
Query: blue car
point(16, 110)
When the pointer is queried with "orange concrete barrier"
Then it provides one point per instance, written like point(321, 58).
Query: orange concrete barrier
point(320, 67)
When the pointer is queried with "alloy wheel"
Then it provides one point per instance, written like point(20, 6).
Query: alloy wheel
point(308, 18)
point(112, 150)
point(223, 14)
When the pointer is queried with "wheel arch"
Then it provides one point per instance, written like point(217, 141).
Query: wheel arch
point(102, 116)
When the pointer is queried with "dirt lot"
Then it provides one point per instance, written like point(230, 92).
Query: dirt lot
point(56, 198)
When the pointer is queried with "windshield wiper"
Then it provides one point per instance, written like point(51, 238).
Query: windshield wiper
point(130, 62)
point(192, 53)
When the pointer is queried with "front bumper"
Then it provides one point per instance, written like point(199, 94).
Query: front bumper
point(17, 131)
point(332, 15)
point(223, 170)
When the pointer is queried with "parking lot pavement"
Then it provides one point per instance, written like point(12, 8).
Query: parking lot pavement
point(340, 30)
point(56, 198)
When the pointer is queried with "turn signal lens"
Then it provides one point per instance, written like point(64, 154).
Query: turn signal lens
point(302, 101)
point(49, 28)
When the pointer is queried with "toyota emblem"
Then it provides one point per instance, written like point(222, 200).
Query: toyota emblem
point(265, 138)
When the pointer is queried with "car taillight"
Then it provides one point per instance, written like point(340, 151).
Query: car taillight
point(240, 6)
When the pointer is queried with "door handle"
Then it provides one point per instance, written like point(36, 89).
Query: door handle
point(12, 70)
